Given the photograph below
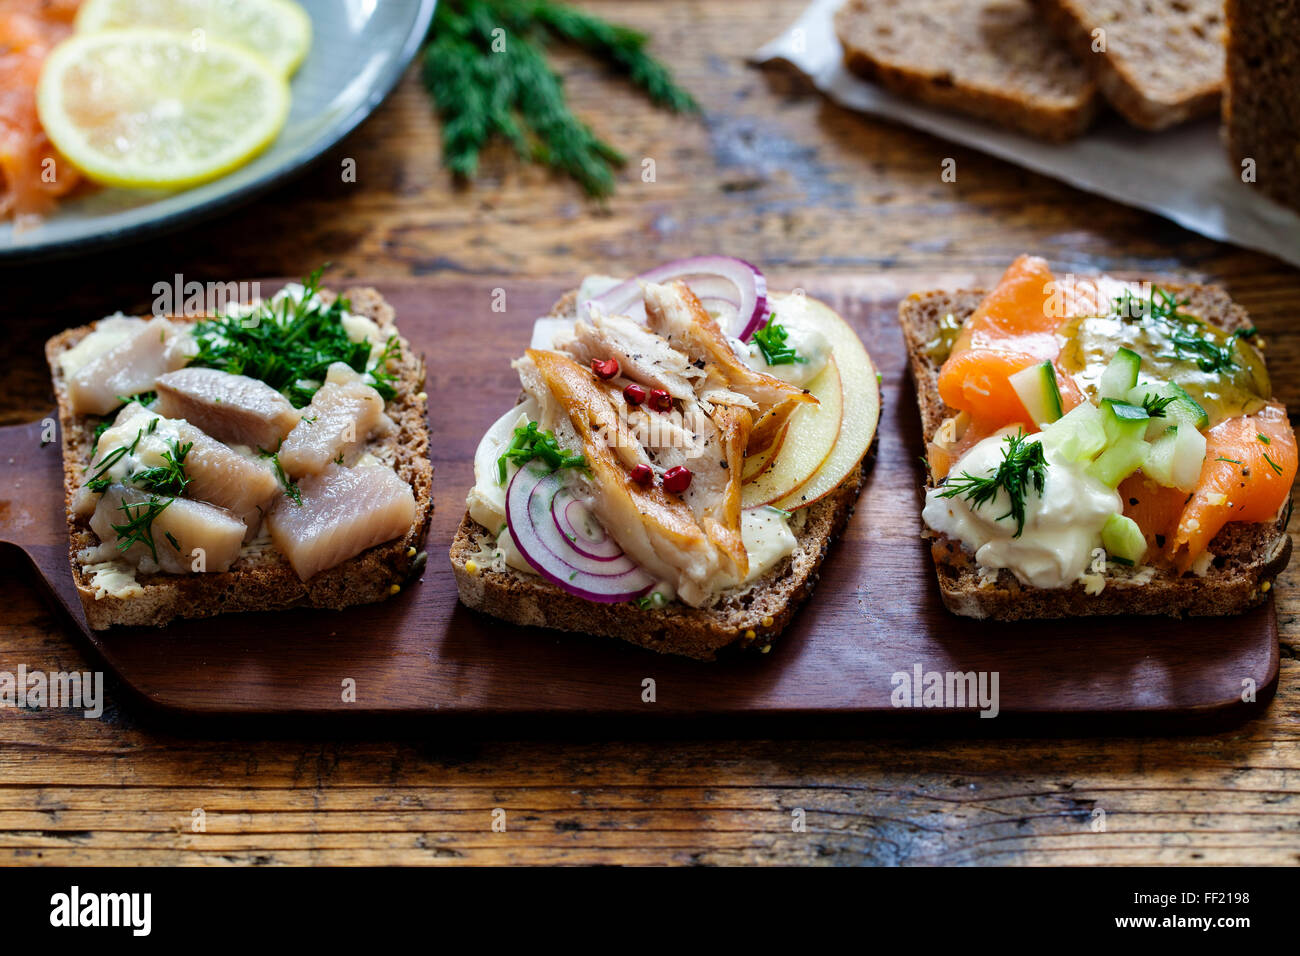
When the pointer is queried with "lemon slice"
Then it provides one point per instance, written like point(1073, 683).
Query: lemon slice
point(277, 29)
point(143, 109)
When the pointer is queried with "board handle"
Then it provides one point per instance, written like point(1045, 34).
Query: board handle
point(32, 509)
point(33, 512)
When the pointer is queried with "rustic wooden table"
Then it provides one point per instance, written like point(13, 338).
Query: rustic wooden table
point(777, 175)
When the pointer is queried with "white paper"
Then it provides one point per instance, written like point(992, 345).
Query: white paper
point(1183, 174)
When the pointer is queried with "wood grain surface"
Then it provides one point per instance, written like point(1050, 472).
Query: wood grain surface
point(772, 173)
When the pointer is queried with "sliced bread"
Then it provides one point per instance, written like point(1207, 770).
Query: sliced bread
point(1159, 64)
point(1261, 104)
point(994, 59)
point(1248, 557)
point(261, 578)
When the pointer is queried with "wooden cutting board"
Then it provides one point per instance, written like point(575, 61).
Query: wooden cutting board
point(876, 613)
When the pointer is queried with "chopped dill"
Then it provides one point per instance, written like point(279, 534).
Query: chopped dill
point(144, 398)
point(1186, 333)
point(100, 480)
point(290, 487)
point(291, 344)
point(139, 525)
point(168, 478)
point(102, 427)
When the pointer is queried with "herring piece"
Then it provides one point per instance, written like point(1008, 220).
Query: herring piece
point(334, 426)
point(344, 511)
point(187, 536)
point(231, 408)
point(130, 366)
point(218, 475)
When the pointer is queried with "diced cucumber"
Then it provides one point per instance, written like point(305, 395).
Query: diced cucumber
point(1119, 461)
point(1189, 458)
point(1122, 421)
point(1176, 458)
point(1039, 392)
point(1123, 539)
point(1120, 375)
point(1159, 466)
point(1182, 409)
point(1078, 435)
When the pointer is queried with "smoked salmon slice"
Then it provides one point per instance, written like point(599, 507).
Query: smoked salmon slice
point(1013, 328)
point(978, 381)
point(1019, 314)
point(32, 175)
point(1250, 463)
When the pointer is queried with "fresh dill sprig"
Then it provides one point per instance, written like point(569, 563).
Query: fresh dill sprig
point(139, 525)
point(486, 69)
point(1155, 405)
point(621, 46)
point(291, 344)
point(169, 478)
point(1022, 467)
point(1187, 334)
point(1272, 464)
point(770, 340)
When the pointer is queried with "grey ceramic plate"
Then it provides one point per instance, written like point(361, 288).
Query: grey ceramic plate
point(360, 48)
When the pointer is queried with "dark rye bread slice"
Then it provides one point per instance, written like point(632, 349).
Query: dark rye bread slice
point(752, 617)
point(262, 579)
point(1162, 63)
point(994, 59)
point(1261, 103)
point(1248, 557)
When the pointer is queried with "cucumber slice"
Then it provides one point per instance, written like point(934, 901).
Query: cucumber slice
point(1123, 421)
point(1038, 392)
point(1119, 461)
point(1182, 409)
point(1123, 539)
point(1078, 435)
point(1120, 375)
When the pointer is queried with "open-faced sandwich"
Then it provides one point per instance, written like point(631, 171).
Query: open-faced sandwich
point(686, 447)
point(1098, 447)
point(273, 455)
